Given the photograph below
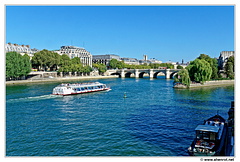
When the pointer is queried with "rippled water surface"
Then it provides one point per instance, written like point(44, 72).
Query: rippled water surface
point(154, 119)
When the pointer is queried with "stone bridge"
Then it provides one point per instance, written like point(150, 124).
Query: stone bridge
point(139, 73)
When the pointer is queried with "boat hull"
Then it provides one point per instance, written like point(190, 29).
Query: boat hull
point(82, 92)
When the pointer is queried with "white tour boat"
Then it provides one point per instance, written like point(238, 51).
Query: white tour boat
point(78, 88)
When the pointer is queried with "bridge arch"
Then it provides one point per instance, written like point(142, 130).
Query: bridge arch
point(141, 74)
point(119, 75)
point(173, 74)
point(128, 74)
point(158, 72)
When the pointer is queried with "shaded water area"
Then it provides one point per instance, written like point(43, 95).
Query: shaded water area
point(154, 119)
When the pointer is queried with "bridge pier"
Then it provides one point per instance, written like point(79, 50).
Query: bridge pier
point(122, 74)
point(151, 73)
point(168, 73)
point(136, 73)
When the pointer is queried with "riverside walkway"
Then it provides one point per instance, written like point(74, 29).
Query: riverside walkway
point(207, 84)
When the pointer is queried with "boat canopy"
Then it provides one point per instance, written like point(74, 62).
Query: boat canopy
point(207, 128)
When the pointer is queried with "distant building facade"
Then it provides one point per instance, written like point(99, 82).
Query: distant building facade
point(73, 51)
point(145, 57)
point(155, 61)
point(149, 61)
point(130, 61)
point(222, 60)
point(22, 49)
point(104, 59)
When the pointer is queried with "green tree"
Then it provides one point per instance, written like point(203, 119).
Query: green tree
point(154, 65)
point(229, 67)
point(55, 60)
point(87, 69)
point(65, 60)
point(213, 63)
point(199, 70)
point(17, 66)
point(183, 77)
point(75, 60)
point(229, 70)
point(70, 65)
point(231, 59)
point(113, 63)
point(26, 64)
point(167, 65)
point(45, 59)
point(101, 68)
point(179, 67)
point(120, 65)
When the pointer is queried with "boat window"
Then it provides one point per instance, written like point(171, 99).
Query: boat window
point(199, 135)
point(212, 136)
point(205, 135)
point(202, 135)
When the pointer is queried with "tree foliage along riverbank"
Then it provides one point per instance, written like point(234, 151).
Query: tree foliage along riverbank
point(203, 69)
point(199, 70)
point(17, 66)
point(114, 63)
point(44, 60)
point(229, 67)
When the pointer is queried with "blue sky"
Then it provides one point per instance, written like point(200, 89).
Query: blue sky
point(162, 32)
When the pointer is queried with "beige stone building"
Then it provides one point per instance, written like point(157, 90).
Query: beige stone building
point(73, 51)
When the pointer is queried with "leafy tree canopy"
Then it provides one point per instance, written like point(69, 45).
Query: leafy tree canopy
point(101, 68)
point(45, 58)
point(213, 63)
point(179, 67)
point(183, 77)
point(229, 67)
point(17, 65)
point(199, 70)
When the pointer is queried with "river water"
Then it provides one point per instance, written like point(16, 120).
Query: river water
point(154, 119)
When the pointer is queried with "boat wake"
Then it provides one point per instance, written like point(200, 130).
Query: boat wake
point(36, 98)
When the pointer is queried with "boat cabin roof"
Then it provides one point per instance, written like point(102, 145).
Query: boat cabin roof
point(207, 128)
point(80, 84)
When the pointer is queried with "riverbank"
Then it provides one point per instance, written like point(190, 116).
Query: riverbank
point(58, 79)
point(207, 84)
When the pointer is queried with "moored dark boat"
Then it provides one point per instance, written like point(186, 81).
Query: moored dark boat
point(210, 137)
